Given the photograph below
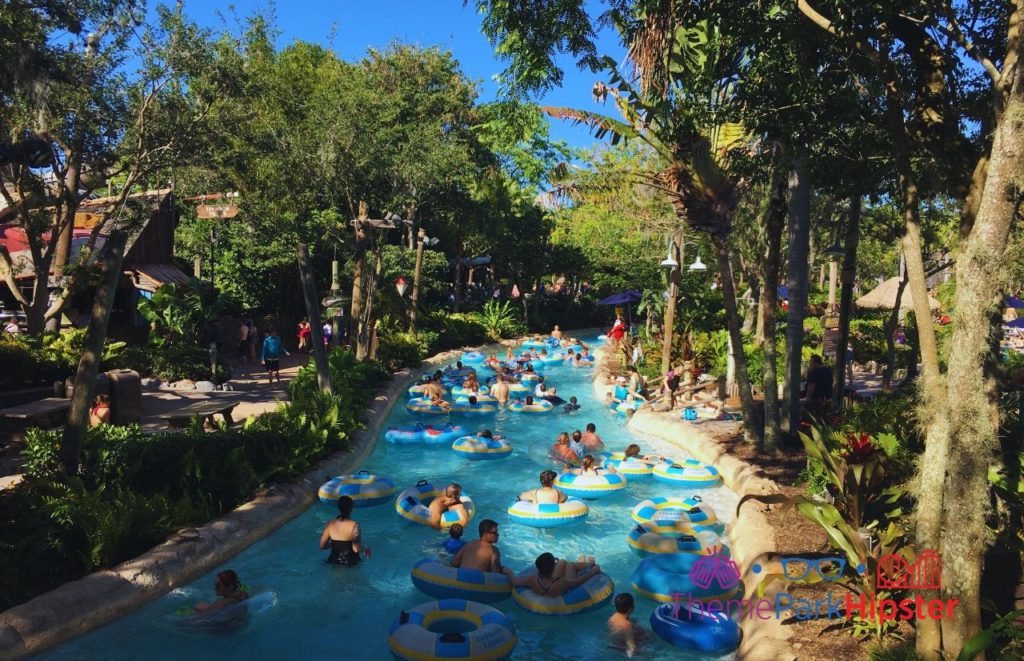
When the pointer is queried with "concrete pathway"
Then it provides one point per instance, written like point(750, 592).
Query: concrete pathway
point(254, 394)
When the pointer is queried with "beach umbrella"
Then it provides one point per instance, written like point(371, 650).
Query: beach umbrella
point(883, 297)
point(1016, 323)
point(622, 298)
point(1014, 302)
point(783, 292)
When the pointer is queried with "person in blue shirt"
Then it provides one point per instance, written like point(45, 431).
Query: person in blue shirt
point(270, 356)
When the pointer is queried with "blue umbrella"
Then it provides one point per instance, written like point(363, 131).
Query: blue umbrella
point(1014, 302)
point(1016, 323)
point(622, 298)
point(783, 291)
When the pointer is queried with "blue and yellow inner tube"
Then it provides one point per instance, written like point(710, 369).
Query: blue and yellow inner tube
point(452, 630)
point(463, 407)
point(693, 628)
point(538, 406)
point(665, 577)
point(529, 377)
point(533, 344)
point(548, 515)
point(630, 405)
point(690, 511)
point(413, 504)
point(417, 390)
point(632, 468)
point(420, 433)
point(591, 487)
point(476, 447)
point(688, 473)
point(423, 405)
point(471, 357)
point(518, 389)
point(363, 487)
point(460, 391)
point(223, 620)
point(441, 581)
point(644, 540)
point(556, 357)
point(588, 596)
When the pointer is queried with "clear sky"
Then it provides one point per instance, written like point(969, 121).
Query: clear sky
point(350, 27)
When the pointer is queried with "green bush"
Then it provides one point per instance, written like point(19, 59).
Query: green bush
point(173, 361)
point(399, 350)
point(135, 488)
point(500, 320)
point(24, 365)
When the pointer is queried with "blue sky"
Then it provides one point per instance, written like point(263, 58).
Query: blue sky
point(350, 27)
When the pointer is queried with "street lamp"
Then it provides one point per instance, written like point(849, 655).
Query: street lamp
point(671, 264)
point(698, 265)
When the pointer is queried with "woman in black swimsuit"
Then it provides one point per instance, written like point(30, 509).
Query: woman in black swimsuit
point(555, 577)
point(342, 536)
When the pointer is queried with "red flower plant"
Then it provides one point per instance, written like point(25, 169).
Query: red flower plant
point(861, 447)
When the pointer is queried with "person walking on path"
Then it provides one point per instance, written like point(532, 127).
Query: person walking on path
point(243, 342)
point(270, 356)
point(305, 331)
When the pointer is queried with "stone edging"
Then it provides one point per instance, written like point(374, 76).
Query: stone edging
point(103, 596)
point(751, 537)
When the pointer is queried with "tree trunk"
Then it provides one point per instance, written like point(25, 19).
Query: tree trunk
point(355, 312)
point(971, 405)
point(890, 329)
point(750, 309)
point(751, 422)
point(323, 372)
point(798, 247)
point(459, 247)
point(775, 222)
point(847, 277)
point(92, 353)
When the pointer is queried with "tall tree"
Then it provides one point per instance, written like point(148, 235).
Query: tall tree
point(135, 99)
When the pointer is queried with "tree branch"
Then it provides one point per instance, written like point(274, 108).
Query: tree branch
point(956, 33)
point(828, 26)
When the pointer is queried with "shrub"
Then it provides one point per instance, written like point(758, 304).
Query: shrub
point(136, 488)
point(173, 361)
point(398, 350)
point(500, 320)
point(25, 365)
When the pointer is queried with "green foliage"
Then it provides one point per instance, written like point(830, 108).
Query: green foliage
point(1004, 632)
point(500, 320)
point(136, 488)
point(176, 313)
point(399, 350)
point(24, 365)
point(173, 360)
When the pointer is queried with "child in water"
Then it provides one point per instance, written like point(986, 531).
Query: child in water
point(623, 632)
point(454, 542)
point(572, 405)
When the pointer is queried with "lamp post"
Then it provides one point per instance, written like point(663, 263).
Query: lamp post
point(421, 241)
point(671, 264)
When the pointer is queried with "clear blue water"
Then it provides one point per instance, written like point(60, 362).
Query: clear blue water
point(333, 612)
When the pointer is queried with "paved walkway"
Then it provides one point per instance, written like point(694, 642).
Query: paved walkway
point(252, 391)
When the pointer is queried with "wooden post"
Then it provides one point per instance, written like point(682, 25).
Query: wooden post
point(89, 364)
point(670, 310)
point(420, 238)
point(355, 313)
point(323, 372)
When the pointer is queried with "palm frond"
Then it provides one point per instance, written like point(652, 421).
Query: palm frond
point(600, 125)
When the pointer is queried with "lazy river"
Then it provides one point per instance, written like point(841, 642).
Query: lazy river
point(341, 612)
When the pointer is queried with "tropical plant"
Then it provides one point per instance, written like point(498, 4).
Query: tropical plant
point(176, 312)
point(500, 320)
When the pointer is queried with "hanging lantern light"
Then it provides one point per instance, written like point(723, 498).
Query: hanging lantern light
point(698, 265)
point(401, 284)
point(669, 262)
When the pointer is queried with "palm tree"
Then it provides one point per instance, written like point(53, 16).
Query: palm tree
point(682, 118)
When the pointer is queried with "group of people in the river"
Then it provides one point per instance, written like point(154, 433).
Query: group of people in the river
point(553, 576)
